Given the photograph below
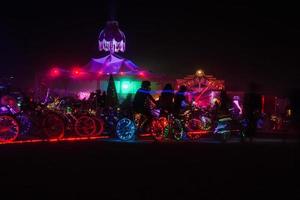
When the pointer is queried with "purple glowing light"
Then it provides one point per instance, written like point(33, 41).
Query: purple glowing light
point(111, 38)
point(236, 102)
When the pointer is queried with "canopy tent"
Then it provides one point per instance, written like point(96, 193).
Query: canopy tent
point(112, 64)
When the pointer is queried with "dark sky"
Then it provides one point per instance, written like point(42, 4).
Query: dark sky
point(235, 41)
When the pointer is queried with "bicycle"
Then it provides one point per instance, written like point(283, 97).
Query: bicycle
point(140, 126)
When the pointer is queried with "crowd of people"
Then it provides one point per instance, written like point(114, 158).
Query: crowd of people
point(175, 102)
point(97, 98)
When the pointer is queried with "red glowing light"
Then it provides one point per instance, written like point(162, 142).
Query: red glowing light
point(54, 140)
point(54, 72)
point(76, 71)
point(122, 73)
point(263, 104)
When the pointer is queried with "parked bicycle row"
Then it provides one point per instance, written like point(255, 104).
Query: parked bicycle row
point(171, 117)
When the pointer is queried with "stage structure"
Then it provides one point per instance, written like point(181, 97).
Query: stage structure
point(203, 89)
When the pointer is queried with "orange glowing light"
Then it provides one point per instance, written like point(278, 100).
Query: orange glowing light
point(198, 132)
point(145, 134)
point(200, 73)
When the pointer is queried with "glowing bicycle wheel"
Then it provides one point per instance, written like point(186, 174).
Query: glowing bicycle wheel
point(85, 126)
point(158, 128)
point(206, 123)
point(193, 126)
point(125, 129)
point(9, 128)
point(177, 130)
point(53, 126)
point(99, 126)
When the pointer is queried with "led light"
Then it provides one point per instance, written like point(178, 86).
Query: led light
point(55, 72)
point(100, 72)
point(141, 74)
point(125, 86)
point(199, 73)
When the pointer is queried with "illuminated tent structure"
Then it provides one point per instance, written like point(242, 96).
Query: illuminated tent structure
point(112, 64)
point(95, 74)
point(127, 75)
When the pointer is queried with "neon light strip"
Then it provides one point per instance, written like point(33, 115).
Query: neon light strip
point(236, 102)
point(146, 134)
point(55, 140)
point(198, 132)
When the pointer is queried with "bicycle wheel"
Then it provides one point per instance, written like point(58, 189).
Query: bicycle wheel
point(9, 128)
point(193, 126)
point(53, 126)
point(125, 129)
point(99, 126)
point(206, 123)
point(85, 126)
point(25, 124)
point(177, 130)
point(157, 128)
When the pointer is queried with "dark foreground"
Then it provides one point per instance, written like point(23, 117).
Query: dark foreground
point(114, 170)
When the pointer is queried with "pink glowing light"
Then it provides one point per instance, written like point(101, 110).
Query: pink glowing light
point(236, 102)
point(100, 73)
point(83, 95)
point(141, 74)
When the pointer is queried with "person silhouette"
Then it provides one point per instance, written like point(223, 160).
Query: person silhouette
point(143, 99)
point(252, 110)
point(180, 100)
point(126, 105)
point(166, 100)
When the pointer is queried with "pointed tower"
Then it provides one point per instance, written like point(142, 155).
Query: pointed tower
point(111, 38)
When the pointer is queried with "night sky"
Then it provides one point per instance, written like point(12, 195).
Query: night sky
point(237, 42)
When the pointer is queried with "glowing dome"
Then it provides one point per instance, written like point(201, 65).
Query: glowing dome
point(111, 38)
